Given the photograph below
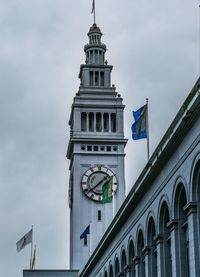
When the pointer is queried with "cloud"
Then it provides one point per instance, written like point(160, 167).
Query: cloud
point(154, 49)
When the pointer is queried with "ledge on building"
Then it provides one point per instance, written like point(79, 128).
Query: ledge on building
point(50, 273)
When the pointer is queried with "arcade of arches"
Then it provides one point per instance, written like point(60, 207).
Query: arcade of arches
point(168, 243)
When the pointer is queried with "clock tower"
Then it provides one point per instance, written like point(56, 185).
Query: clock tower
point(95, 150)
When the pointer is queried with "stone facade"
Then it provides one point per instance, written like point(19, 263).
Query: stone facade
point(156, 232)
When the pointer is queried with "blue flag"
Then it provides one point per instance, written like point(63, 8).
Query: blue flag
point(139, 127)
point(85, 233)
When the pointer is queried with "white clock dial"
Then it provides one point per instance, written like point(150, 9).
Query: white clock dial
point(93, 180)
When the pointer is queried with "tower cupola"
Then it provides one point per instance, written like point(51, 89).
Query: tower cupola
point(95, 49)
point(95, 72)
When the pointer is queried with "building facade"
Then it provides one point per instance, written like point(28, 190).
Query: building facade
point(95, 151)
point(156, 232)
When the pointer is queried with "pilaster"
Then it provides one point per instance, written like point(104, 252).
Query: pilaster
point(160, 255)
point(191, 212)
point(173, 226)
point(137, 261)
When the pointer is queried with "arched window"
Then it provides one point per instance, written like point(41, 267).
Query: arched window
point(151, 232)
point(131, 254)
point(116, 267)
point(105, 274)
point(140, 247)
point(123, 261)
point(183, 251)
point(165, 231)
point(196, 198)
point(111, 271)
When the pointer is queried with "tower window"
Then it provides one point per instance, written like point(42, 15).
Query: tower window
point(102, 148)
point(98, 122)
point(96, 56)
point(85, 241)
point(115, 148)
point(91, 55)
point(100, 57)
point(113, 122)
point(96, 148)
point(102, 78)
point(105, 122)
point(108, 148)
point(91, 122)
point(82, 147)
point(89, 148)
point(99, 215)
point(96, 81)
point(83, 122)
point(87, 57)
point(91, 78)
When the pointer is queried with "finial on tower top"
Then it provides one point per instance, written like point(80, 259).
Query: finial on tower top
point(94, 10)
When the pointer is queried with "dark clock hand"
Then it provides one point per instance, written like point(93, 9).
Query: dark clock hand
point(98, 183)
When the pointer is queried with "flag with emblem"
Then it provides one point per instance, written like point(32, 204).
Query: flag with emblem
point(139, 127)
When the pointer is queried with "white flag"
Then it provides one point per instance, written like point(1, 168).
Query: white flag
point(25, 240)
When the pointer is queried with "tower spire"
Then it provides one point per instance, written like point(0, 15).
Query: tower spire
point(94, 10)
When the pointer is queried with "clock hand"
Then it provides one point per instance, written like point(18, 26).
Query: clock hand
point(99, 183)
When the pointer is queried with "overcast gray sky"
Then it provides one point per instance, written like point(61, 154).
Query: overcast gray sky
point(154, 47)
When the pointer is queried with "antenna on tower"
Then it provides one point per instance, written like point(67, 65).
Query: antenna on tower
point(94, 10)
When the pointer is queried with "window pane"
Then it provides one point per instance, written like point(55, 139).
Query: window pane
point(99, 215)
point(85, 241)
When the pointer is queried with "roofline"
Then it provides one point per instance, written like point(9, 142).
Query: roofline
point(187, 114)
point(50, 270)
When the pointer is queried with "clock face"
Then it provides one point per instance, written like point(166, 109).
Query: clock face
point(94, 179)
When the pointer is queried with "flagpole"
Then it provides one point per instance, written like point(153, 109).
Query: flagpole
point(90, 246)
point(147, 102)
point(94, 13)
point(31, 248)
point(33, 264)
point(113, 204)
